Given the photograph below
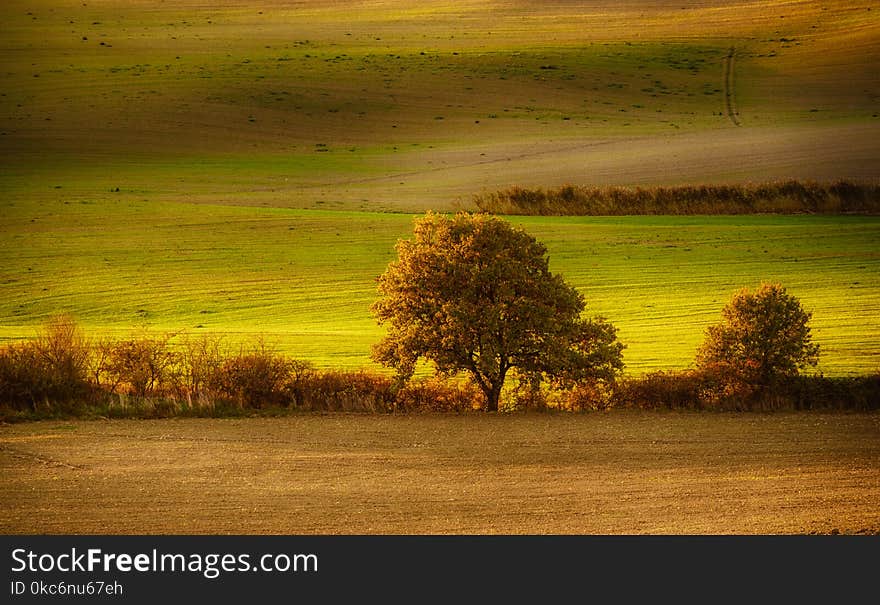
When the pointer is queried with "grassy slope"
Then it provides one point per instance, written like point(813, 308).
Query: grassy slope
point(403, 105)
point(305, 278)
point(320, 105)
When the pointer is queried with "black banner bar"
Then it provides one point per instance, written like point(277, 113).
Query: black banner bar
point(289, 569)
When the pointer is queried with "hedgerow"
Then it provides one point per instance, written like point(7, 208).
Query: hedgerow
point(786, 197)
point(64, 374)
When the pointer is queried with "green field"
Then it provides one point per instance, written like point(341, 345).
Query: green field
point(391, 104)
point(230, 167)
point(244, 168)
point(305, 279)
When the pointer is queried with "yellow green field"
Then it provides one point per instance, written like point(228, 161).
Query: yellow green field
point(305, 279)
point(245, 167)
point(228, 167)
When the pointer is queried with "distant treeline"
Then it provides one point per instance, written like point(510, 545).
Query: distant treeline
point(788, 197)
point(64, 374)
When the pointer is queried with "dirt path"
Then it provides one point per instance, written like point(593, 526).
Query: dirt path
point(729, 96)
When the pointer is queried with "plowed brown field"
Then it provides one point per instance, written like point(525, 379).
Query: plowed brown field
point(623, 472)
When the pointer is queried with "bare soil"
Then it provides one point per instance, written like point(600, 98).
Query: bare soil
point(623, 472)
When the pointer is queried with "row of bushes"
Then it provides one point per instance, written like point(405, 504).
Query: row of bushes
point(707, 390)
point(788, 197)
point(63, 373)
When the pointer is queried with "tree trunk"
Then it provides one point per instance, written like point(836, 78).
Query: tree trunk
point(491, 388)
point(493, 395)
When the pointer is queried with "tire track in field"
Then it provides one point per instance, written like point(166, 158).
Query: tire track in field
point(31, 457)
point(194, 439)
point(207, 440)
point(729, 104)
point(729, 108)
point(505, 158)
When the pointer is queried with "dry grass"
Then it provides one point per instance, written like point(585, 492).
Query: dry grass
point(613, 473)
point(790, 197)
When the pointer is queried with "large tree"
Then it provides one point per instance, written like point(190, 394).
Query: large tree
point(763, 335)
point(470, 293)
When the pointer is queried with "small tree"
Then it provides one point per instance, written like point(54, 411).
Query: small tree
point(64, 351)
point(763, 336)
point(472, 294)
point(145, 365)
point(50, 369)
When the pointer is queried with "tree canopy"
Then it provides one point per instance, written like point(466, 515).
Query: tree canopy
point(470, 293)
point(763, 335)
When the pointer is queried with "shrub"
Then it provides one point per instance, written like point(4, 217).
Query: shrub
point(564, 396)
point(63, 353)
point(662, 390)
point(437, 395)
point(22, 381)
point(255, 378)
point(49, 370)
point(786, 197)
point(200, 359)
point(860, 393)
point(590, 396)
point(528, 393)
point(300, 372)
point(139, 366)
point(713, 389)
point(347, 392)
